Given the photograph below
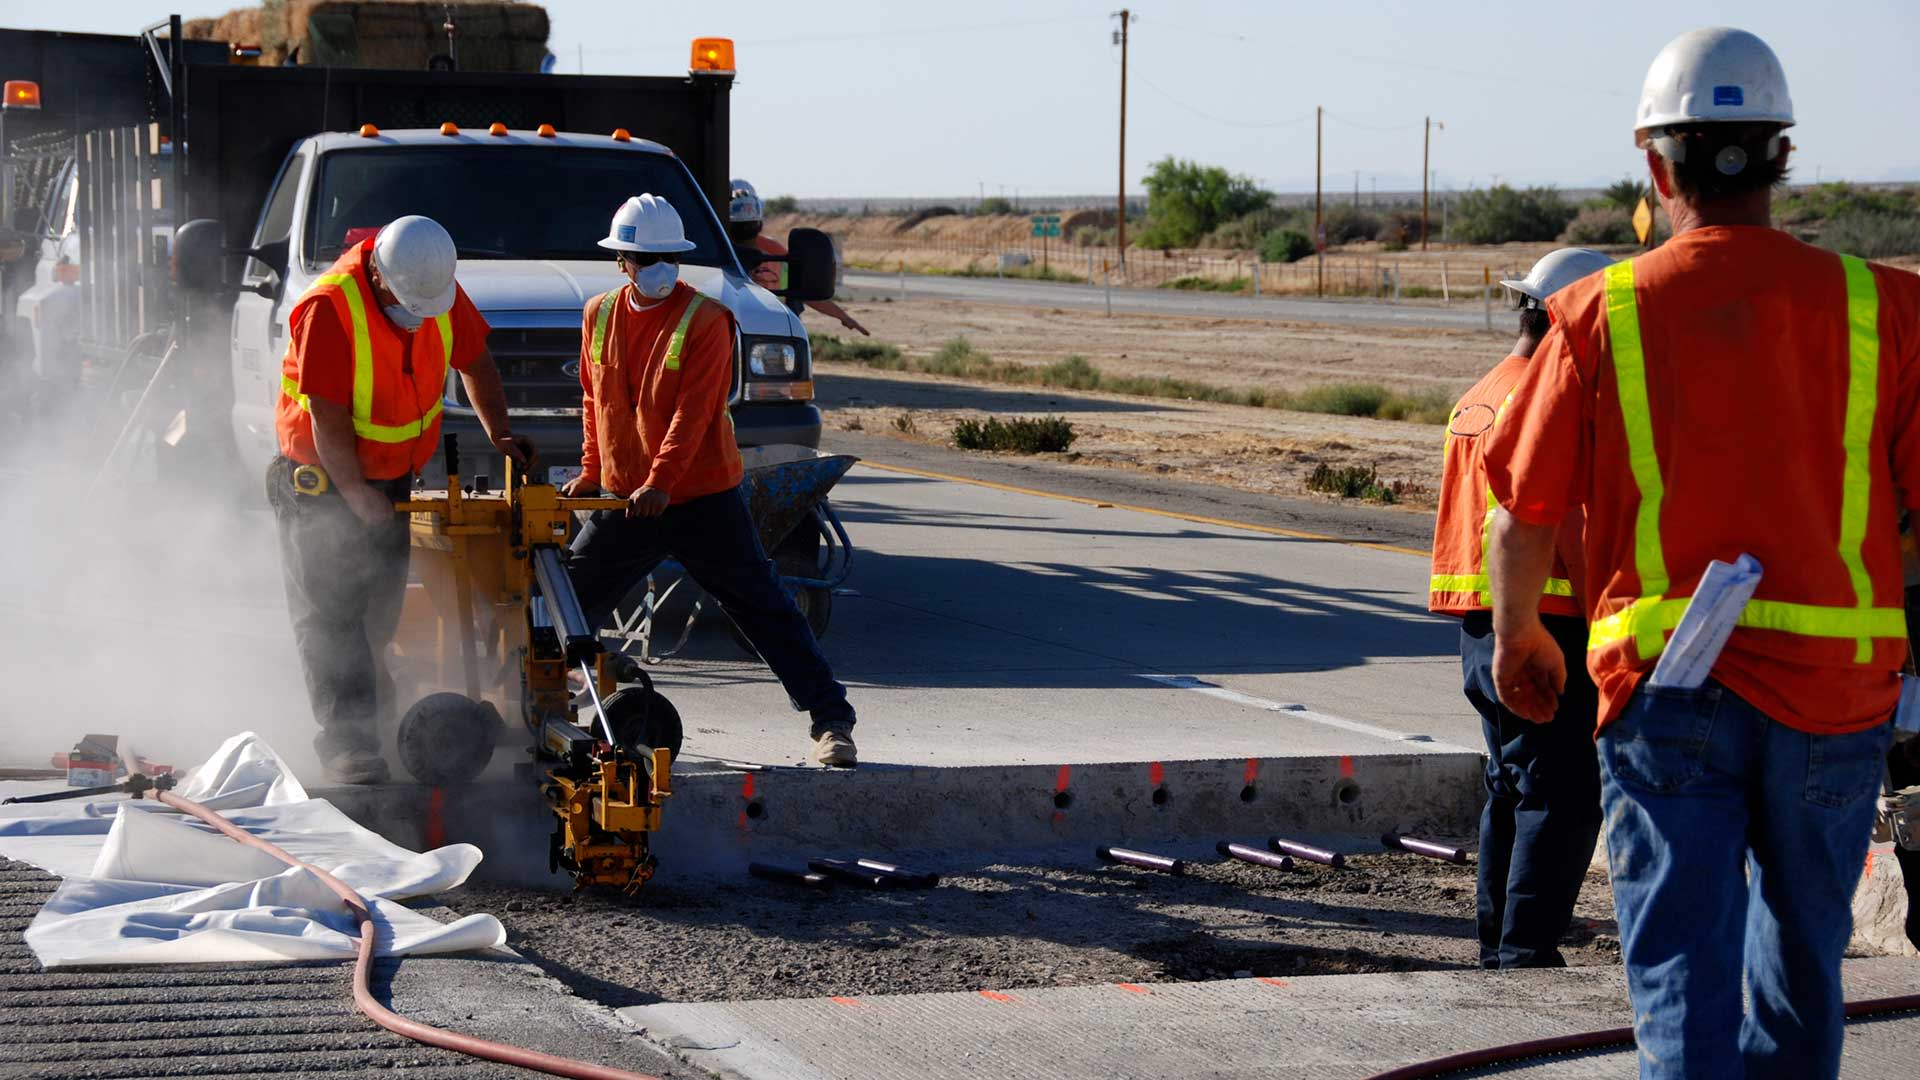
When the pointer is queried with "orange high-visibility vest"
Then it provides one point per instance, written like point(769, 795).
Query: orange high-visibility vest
point(396, 412)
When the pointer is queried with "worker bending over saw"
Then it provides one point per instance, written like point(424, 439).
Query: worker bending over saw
point(1542, 814)
point(359, 416)
point(656, 364)
point(1741, 398)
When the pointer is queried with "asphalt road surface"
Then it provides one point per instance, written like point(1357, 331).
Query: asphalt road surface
point(1013, 291)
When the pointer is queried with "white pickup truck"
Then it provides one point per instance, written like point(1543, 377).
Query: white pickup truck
point(525, 209)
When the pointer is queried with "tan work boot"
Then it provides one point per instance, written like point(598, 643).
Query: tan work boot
point(834, 749)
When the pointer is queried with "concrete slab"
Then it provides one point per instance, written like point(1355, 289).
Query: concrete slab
point(1324, 1027)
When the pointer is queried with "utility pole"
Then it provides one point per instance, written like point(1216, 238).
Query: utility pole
point(1125, 17)
point(1319, 220)
point(1426, 155)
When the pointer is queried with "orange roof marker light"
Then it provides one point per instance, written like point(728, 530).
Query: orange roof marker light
point(545, 131)
point(712, 56)
point(622, 135)
point(368, 131)
point(22, 94)
point(449, 128)
point(496, 128)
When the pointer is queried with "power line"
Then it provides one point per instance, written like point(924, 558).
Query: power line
point(1151, 85)
point(1372, 127)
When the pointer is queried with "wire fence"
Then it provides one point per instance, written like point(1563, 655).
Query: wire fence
point(1409, 275)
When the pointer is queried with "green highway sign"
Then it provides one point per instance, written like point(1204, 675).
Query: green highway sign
point(1046, 224)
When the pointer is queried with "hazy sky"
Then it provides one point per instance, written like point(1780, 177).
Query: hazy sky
point(851, 97)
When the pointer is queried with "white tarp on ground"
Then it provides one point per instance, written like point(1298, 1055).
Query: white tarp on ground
point(146, 885)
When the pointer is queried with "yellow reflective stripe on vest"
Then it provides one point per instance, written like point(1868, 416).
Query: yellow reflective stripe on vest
point(1647, 620)
point(1863, 386)
point(680, 333)
point(1630, 377)
point(362, 407)
point(596, 349)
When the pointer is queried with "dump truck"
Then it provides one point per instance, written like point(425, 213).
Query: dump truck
point(525, 170)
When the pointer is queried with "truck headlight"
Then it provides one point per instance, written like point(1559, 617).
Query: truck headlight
point(773, 359)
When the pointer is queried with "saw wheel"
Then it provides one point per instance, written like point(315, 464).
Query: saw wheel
point(447, 739)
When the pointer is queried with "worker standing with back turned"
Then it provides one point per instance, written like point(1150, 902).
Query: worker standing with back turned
point(1542, 814)
point(359, 416)
point(1733, 392)
point(656, 365)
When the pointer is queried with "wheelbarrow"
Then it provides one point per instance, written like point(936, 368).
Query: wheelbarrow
point(786, 489)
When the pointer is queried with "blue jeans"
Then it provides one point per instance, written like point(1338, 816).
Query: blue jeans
point(1735, 843)
point(714, 539)
point(1542, 814)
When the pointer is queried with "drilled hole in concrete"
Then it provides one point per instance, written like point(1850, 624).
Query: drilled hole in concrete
point(1346, 792)
point(1247, 794)
point(1062, 800)
point(1160, 796)
point(756, 810)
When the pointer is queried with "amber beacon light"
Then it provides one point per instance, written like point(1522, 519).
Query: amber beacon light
point(712, 56)
point(25, 94)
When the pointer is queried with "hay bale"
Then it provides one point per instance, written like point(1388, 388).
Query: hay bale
point(402, 34)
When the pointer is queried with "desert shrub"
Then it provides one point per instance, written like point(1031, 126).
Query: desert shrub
point(783, 204)
point(1350, 225)
point(1349, 482)
point(957, 357)
point(1872, 234)
point(1197, 283)
point(1501, 215)
point(992, 204)
point(1285, 245)
point(1093, 236)
point(1023, 435)
point(1398, 229)
point(1825, 201)
point(872, 353)
point(1600, 225)
point(1248, 231)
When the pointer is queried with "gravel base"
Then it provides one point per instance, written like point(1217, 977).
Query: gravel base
point(1005, 927)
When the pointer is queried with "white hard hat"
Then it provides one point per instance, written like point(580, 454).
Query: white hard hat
point(647, 223)
point(416, 259)
point(744, 203)
point(1555, 271)
point(1711, 76)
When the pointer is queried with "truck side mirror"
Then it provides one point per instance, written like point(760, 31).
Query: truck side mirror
point(811, 265)
point(199, 256)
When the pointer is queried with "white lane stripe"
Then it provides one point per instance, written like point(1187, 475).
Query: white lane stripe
point(1201, 686)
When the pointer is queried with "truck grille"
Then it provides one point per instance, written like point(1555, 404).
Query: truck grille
point(531, 363)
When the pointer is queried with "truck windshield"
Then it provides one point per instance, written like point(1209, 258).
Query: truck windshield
point(508, 202)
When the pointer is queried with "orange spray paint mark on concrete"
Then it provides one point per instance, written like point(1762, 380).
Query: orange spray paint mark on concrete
point(1133, 988)
point(1277, 984)
point(848, 1002)
point(995, 995)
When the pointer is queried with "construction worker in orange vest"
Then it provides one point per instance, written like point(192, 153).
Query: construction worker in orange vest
point(746, 213)
point(1542, 814)
point(656, 366)
point(1733, 393)
point(359, 416)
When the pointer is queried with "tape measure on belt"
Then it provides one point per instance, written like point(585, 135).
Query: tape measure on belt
point(310, 480)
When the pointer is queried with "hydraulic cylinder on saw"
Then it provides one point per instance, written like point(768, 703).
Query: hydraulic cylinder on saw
point(495, 628)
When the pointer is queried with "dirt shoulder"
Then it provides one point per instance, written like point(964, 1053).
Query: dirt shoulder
point(1262, 451)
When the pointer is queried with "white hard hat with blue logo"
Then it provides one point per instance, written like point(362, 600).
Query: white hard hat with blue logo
point(647, 223)
point(1717, 75)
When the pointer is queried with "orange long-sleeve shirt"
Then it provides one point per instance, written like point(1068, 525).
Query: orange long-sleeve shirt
point(650, 422)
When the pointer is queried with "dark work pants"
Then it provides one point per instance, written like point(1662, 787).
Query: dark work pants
point(714, 539)
point(1542, 815)
point(345, 582)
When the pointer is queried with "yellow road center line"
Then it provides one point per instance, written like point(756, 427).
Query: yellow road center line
point(1271, 530)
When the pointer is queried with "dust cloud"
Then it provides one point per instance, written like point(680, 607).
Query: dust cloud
point(140, 590)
